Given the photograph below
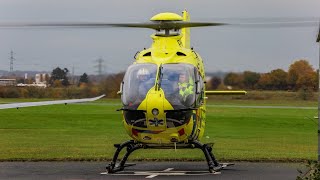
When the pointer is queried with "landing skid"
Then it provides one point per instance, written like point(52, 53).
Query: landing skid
point(131, 146)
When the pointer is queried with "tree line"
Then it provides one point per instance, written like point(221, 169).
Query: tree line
point(61, 85)
point(300, 76)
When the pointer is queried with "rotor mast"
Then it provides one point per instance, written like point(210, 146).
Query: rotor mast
point(165, 21)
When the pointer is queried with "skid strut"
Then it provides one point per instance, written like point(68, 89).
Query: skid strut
point(131, 146)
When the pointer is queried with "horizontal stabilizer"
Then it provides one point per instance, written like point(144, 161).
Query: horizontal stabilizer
point(44, 103)
point(226, 92)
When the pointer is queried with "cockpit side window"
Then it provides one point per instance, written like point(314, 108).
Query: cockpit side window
point(137, 81)
point(178, 84)
point(199, 88)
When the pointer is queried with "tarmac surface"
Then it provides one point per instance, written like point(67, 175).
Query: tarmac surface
point(146, 170)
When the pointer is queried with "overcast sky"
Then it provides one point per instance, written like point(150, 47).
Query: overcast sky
point(222, 48)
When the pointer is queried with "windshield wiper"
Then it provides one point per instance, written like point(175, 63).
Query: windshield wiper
point(159, 78)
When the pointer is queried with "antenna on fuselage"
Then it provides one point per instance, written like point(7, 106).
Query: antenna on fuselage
point(185, 31)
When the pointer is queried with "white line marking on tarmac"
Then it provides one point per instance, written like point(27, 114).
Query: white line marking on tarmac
point(156, 174)
point(169, 169)
point(166, 172)
point(152, 176)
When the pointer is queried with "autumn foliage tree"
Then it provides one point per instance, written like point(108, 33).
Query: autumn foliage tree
point(264, 82)
point(278, 79)
point(247, 79)
point(274, 80)
point(59, 76)
point(233, 79)
point(301, 75)
point(214, 82)
point(250, 79)
point(111, 84)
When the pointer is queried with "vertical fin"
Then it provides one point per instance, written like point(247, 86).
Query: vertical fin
point(185, 31)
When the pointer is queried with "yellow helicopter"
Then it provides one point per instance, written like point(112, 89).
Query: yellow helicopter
point(163, 92)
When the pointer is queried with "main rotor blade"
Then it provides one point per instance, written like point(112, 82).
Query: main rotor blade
point(157, 25)
point(151, 25)
point(69, 24)
point(169, 25)
point(277, 24)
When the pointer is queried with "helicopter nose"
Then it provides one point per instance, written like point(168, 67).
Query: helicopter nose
point(155, 113)
point(156, 117)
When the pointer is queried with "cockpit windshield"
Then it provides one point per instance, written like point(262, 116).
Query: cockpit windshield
point(137, 81)
point(176, 80)
point(178, 84)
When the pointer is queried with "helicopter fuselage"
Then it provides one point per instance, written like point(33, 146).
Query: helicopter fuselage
point(161, 114)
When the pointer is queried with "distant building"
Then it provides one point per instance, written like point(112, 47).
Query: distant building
point(8, 82)
point(41, 78)
point(32, 85)
point(40, 81)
